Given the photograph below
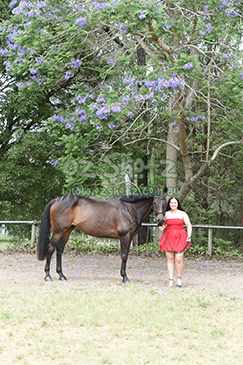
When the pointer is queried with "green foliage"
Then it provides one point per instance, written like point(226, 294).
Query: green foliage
point(27, 180)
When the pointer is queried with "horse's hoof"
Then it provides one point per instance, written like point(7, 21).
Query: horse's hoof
point(126, 281)
point(62, 277)
point(48, 278)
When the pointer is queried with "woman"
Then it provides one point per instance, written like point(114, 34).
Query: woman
point(175, 240)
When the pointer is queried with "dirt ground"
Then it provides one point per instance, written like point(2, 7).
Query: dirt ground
point(225, 276)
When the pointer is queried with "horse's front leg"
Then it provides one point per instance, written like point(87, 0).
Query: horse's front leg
point(125, 244)
point(59, 249)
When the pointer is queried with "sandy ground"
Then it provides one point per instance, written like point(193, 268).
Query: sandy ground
point(225, 276)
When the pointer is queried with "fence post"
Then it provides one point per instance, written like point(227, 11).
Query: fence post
point(210, 244)
point(32, 234)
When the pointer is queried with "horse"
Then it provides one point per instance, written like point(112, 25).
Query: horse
point(119, 218)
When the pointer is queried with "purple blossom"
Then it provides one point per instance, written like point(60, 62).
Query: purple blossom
point(128, 80)
point(111, 125)
point(80, 112)
point(27, 25)
point(102, 112)
point(167, 26)
point(116, 109)
point(3, 52)
point(81, 22)
point(75, 63)
point(100, 99)
point(241, 74)
point(81, 99)
point(130, 115)
point(206, 29)
point(99, 126)
point(55, 117)
point(122, 27)
point(187, 66)
point(149, 96)
point(37, 79)
point(111, 62)
point(70, 126)
point(8, 65)
point(68, 75)
point(13, 3)
point(52, 162)
point(202, 32)
point(142, 14)
point(150, 83)
point(228, 55)
point(175, 83)
point(62, 119)
point(83, 118)
point(195, 118)
point(58, 118)
point(126, 98)
point(38, 60)
point(33, 71)
point(20, 85)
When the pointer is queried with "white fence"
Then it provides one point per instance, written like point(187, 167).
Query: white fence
point(210, 230)
point(33, 226)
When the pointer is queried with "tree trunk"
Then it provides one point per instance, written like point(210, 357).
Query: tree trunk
point(171, 161)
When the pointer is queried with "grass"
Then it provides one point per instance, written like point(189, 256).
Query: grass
point(87, 323)
point(4, 241)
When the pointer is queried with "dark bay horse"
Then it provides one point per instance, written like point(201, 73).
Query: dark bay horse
point(119, 217)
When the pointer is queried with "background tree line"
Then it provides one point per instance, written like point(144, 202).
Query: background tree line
point(139, 81)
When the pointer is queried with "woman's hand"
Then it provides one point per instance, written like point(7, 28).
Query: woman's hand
point(162, 228)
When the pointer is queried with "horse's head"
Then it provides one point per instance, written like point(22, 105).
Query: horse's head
point(159, 206)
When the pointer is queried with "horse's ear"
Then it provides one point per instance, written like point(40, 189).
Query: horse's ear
point(165, 189)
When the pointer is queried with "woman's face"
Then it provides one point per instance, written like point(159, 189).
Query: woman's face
point(173, 204)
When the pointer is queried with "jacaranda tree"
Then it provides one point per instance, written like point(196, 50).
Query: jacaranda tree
point(83, 58)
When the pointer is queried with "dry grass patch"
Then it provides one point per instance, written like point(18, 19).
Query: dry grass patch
point(82, 323)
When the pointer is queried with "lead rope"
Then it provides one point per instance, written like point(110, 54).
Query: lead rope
point(167, 239)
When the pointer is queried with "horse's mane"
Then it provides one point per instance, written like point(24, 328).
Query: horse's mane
point(135, 199)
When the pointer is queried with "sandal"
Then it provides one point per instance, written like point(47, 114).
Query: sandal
point(171, 283)
point(179, 284)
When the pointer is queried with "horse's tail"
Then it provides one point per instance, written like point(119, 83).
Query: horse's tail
point(44, 234)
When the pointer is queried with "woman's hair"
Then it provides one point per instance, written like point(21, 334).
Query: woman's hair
point(179, 204)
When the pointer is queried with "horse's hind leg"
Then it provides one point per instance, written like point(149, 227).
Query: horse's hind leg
point(54, 241)
point(48, 263)
point(60, 247)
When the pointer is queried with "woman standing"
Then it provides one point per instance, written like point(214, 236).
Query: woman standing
point(175, 240)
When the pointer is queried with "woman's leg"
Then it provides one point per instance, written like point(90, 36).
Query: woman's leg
point(179, 266)
point(171, 266)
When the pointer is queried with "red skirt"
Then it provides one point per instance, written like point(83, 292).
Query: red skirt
point(174, 237)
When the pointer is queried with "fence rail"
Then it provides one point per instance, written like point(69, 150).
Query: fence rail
point(33, 226)
point(210, 230)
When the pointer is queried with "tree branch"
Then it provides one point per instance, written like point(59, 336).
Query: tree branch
point(186, 187)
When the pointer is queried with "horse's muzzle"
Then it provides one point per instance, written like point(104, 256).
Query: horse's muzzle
point(160, 222)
